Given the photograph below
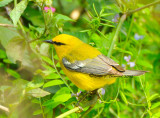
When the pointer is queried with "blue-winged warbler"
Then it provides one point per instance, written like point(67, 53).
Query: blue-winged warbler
point(85, 66)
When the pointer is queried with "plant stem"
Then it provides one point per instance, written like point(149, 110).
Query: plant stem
point(41, 108)
point(6, 25)
point(148, 5)
point(128, 34)
point(4, 108)
point(68, 112)
point(19, 22)
point(22, 28)
point(122, 19)
point(60, 74)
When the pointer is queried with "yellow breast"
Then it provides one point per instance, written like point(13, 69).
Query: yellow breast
point(86, 81)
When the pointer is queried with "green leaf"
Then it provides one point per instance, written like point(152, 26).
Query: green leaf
point(34, 15)
point(36, 83)
point(155, 105)
point(144, 63)
point(4, 2)
point(154, 96)
point(37, 112)
point(6, 34)
point(18, 52)
point(53, 83)
point(52, 76)
point(123, 97)
point(48, 102)
point(17, 11)
point(38, 93)
point(156, 115)
point(13, 73)
point(35, 100)
point(49, 68)
point(7, 61)
point(58, 65)
point(124, 51)
point(51, 104)
point(62, 98)
point(2, 54)
point(3, 88)
point(46, 59)
point(63, 90)
point(60, 17)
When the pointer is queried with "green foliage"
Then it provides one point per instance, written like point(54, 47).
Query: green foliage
point(4, 2)
point(32, 83)
point(17, 11)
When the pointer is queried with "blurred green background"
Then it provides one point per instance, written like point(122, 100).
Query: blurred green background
point(32, 84)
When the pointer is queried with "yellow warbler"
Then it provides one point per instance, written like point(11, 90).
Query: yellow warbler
point(85, 66)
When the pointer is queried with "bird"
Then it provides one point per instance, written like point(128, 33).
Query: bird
point(85, 66)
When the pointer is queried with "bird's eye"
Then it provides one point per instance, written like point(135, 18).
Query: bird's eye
point(59, 43)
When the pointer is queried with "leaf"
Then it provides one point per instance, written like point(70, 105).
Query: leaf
point(2, 54)
point(154, 96)
point(156, 115)
point(6, 34)
point(61, 17)
point(52, 76)
point(144, 63)
point(123, 97)
point(37, 112)
point(62, 98)
point(124, 51)
point(35, 100)
point(63, 90)
point(51, 104)
point(16, 49)
point(155, 105)
point(46, 59)
point(48, 102)
point(53, 83)
point(58, 65)
point(49, 68)
point(36, 83)
point(34, 15)
point(17, 11)
point(13, 73)
point(4, 2)
point(38, 93)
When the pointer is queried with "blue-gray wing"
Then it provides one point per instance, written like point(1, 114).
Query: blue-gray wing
point(101, 65)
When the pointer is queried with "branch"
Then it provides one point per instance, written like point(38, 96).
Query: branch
point(4, 108)
point(122, 19)
point(69, 112)
point(6, 25)
point(148, 5)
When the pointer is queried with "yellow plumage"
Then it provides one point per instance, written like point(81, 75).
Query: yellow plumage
point(77, 50)
point(85, 66)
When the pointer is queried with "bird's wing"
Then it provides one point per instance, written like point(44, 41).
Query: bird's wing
point(100, 65)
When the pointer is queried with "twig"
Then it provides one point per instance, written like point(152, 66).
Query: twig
point(59, 73)
point(122, 19)
point(41, 108)
point(88, 110)
point(148, 5)
point(6, 25)
point(68, 112)
point(4, 108)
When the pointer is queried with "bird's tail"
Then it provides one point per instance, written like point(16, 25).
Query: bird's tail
point(134, 72)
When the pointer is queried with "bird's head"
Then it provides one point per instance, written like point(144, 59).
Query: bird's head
point(64, 43)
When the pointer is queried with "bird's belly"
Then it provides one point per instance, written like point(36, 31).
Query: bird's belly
point(89, 82)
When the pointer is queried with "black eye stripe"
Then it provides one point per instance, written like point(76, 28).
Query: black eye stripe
point(58, 43)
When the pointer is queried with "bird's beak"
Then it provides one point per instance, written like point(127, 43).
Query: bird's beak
point(49, 41)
